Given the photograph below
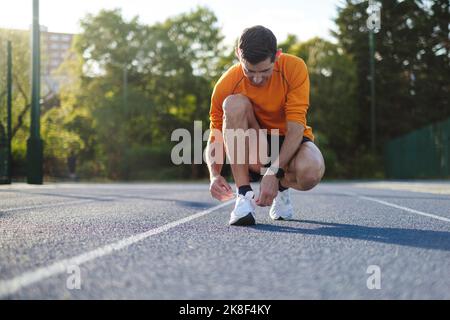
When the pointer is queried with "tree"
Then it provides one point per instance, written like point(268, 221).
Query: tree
point(21, 99)
point(412, 63)
point(138, 83)
point(333, 112)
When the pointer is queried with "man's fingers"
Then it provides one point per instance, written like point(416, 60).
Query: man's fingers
point(265, 199)
point(229, 196)
point(229, 188)
point(215, 195)
point(220, 196)
point(218, 187)
point(221, 193)
point(226, 187)
point(262, 200)
point(216, 192)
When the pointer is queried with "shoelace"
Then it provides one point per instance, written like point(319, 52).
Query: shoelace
point(247, 196)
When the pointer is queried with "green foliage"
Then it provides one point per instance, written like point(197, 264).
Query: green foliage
point(137, 83)
point(412, 63)
point(130, 85)
point(333, 113)
point(59, 140)
point(21, 87)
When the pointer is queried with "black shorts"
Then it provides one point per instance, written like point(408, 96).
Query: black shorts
point(269, 142)
point(256, 176)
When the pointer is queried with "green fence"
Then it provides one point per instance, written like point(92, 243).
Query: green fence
point(424, 153)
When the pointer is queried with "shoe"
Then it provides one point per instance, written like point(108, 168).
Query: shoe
point(243, 213)
point(282, 208)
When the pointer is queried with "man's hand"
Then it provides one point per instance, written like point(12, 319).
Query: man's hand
point(268, 190)
point(220, 189)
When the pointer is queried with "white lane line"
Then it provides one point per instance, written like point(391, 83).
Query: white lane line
point(433, 188)
point(425, 214)
point(13, 285)
point(406, 209)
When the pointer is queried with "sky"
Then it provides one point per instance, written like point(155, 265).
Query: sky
point(304, 18)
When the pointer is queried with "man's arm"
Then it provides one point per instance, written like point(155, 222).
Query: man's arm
point(219, 187)
point(291, 144)
point(214, 165)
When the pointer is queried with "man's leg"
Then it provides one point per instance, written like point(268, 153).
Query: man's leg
point(306, 169)
point(239, 114)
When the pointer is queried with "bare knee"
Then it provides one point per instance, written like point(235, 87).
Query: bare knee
point(308, 177)
point(235, 107)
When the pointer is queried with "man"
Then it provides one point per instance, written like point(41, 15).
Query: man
point(265, 90)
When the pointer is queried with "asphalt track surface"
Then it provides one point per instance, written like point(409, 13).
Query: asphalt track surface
point(173, 241)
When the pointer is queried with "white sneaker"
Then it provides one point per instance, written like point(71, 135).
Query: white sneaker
point(244, 210)
point(282, 208)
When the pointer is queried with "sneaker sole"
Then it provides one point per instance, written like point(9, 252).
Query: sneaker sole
point(248, 220)
point(282, 219)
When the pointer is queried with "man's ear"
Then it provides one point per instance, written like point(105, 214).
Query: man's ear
point(237, 52)
point(278, 54)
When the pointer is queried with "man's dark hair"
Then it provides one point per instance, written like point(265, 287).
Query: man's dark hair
point(256, 44)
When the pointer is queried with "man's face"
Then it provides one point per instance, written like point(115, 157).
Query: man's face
point(258, 74)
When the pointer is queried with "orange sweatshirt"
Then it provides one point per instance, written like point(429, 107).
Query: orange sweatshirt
point(285, 96)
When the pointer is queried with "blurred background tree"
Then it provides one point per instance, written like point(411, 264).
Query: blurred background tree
point(411, 63)
point(138, 83)
point(333, 114)
point(21, 101)
point(132, 84)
